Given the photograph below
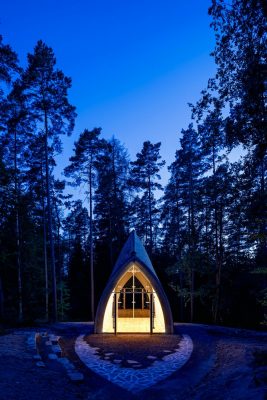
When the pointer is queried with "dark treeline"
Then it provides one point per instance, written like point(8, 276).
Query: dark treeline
point(205, 230)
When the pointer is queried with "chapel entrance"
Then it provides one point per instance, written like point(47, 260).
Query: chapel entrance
point(133, 300)
point(133, 304)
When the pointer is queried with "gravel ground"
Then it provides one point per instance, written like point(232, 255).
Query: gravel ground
point(234, 375)
point(21, 379)
point(226, 364)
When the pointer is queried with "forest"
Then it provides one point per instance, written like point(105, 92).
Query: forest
point(205, 231)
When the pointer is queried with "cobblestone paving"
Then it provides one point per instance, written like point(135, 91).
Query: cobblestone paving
point(134, 380)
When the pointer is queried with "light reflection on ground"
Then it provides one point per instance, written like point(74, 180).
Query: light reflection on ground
point(134, 379)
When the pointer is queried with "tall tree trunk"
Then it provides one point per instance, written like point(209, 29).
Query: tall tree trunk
point(18, 244)
point(181, 296)
point(178, 251)
point(59, 263)
point(117, 222)
point(91, 243)
point(192, 289)
point(217, 261)
point(150, 215)
point(220, 261)
point(262, 194)
point(50, 226)
point(45, 267)
point(1, 300)
point(110, 236)
point(207, 239)
point(191, 220)
point(45, 248)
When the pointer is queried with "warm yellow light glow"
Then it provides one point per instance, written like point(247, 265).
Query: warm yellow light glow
point(108, 318)
point(159, 323)
point(134, 324)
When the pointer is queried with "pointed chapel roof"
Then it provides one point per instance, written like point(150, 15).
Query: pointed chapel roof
point(133, 250)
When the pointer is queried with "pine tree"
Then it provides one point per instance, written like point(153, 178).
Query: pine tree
point(241, 58)
point(187, 172)
point(213, 140)
point(111, 199)
point(18, 136)
point(9, 69)
point(36, 186)
point(144, 177)
point(8, 63)
point(82, 169)
point(76, 227)
point(46, 90)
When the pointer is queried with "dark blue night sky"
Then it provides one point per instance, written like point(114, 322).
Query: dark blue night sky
point(135, 64)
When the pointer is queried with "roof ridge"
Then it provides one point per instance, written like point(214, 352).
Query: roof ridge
point(133, 249)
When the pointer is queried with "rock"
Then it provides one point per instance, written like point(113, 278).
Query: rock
point(76, 376)
point(64, 360)
point(56, 348)
point(40, 364)
point(31, 342)
point(67, 364)
point(54, 338)
point(52, 356)
point(151, 357)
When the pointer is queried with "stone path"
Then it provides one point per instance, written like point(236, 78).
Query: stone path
point(54, 352)
point(134, 380)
